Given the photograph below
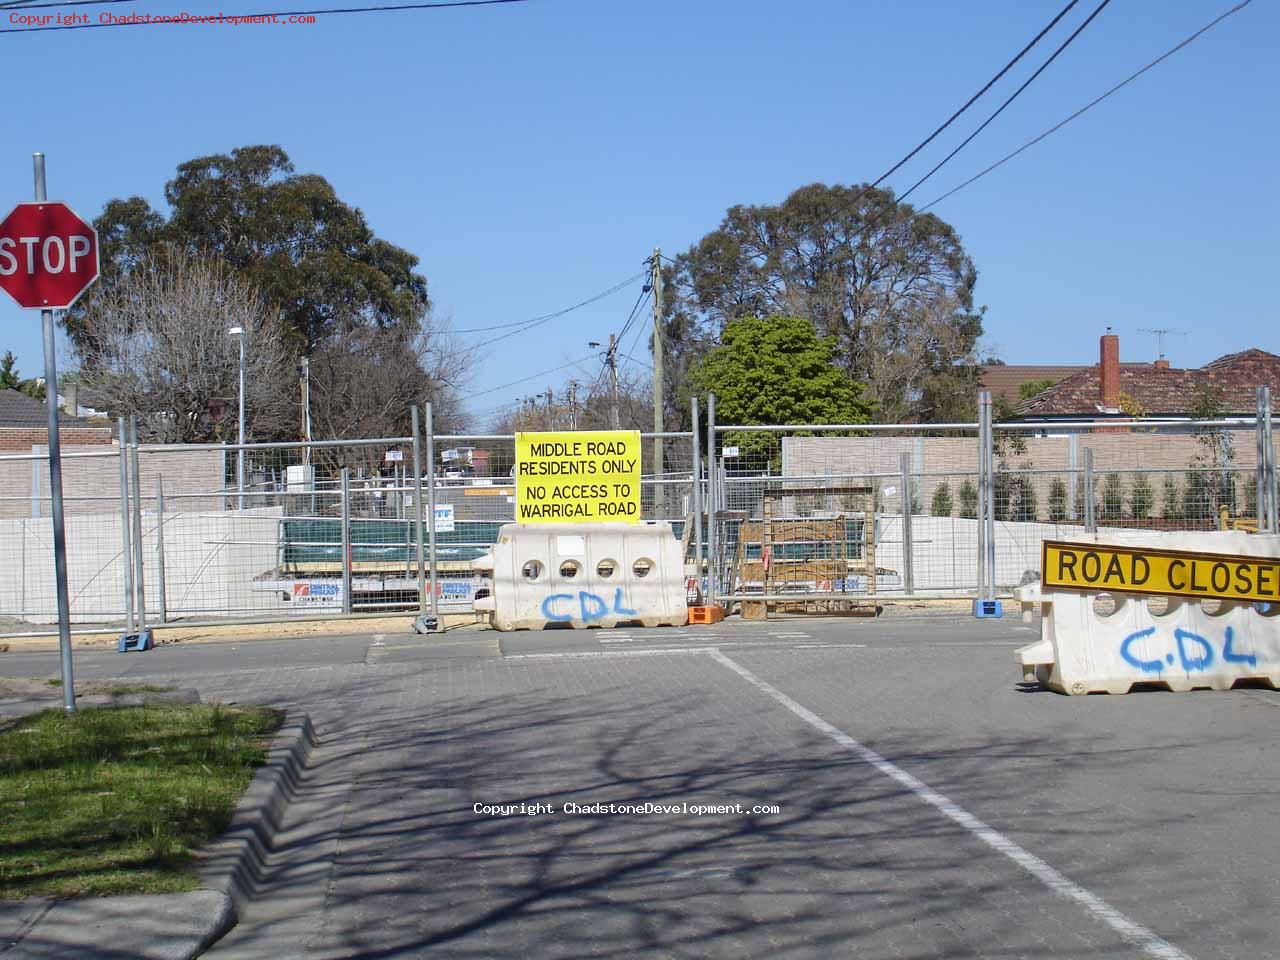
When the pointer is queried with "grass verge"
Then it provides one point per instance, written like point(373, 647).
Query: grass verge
point(114, 801)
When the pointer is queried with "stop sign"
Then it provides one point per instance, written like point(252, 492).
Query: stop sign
point(48, 255)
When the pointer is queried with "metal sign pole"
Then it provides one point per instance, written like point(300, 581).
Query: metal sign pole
point(55, 482)
point(908, 575)
point(139, 584)
point(417, 514)
point(126, 553)
point(713, 534)
point(346, 540)
point(991, 500)
point(1090, 508)
point(697, 503)
point(1270, 441)
point(160, 584)
point(1260, 472)
point(431, 512)
point(980, 511)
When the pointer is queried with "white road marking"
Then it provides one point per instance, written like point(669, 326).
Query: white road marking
point(1132, 931)
point(830, 646)
point(607, 654)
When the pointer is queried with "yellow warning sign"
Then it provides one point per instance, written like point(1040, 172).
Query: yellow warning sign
point(588, 477)
point(1179, 573)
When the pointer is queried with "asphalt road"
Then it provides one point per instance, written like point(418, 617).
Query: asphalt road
point(927, 803)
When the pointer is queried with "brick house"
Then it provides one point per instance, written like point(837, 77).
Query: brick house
point(1156, 390)
point(24, 423)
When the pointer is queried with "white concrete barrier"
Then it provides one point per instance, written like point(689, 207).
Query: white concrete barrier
point(1161, 639)
point(585, 575)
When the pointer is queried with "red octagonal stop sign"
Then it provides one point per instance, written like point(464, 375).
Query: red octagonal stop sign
point(48, 255)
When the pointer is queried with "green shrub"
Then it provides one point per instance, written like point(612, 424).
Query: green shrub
point(1058, 500)
point(968, 500)
point(941, 505)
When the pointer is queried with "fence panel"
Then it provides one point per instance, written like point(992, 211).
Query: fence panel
point(839, 500)
point(812, 473)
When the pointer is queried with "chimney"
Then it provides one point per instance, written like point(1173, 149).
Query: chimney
point(1109, 371)
point(1162, 364)
point(71, 398)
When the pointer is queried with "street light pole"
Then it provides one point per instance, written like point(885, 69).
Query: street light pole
point(306, 409)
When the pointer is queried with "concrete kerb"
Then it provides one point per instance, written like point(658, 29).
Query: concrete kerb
point(174, 926)
point(235, 863)
point(178, 632)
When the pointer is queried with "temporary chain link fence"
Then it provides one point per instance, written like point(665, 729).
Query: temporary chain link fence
point(279, 531)
point(816, 517)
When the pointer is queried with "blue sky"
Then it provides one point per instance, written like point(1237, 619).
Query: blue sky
point(534, 154)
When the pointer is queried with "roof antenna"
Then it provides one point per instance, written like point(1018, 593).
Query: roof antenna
point(1159, 333)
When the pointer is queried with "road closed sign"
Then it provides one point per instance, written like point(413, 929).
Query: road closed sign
point(1146, 570)
point(588, 477)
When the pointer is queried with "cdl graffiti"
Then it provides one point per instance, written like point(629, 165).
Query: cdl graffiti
point(1192, 652)
point(584, 606)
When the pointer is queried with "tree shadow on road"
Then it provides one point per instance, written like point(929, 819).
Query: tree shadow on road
point(387, 855)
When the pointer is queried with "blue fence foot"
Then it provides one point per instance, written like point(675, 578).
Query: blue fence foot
point(425, 625)
point(987, 609)
point(136, 642)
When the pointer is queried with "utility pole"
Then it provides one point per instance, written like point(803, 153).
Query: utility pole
point(573, 404)
point(658, 351)
point(551, 421)
point(615, 416)
point(611, 361)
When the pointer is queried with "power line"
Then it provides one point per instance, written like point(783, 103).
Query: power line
point(639, 333)
point(852, 202)
point(1090, 105)
point(538, 321)
point(559, 313)
point(279, 13)
point(1012, 97)
point(636, 311)
point(638, 363)
point(974, 99)
point(533, 376)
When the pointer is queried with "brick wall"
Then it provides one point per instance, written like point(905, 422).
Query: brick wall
point(22, 439)
point(954, 457)
point(91, 485)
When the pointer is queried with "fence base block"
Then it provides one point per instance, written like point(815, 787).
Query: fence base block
point(136, 642)
point(425, 625)
point(988, 609)
point(706, 614)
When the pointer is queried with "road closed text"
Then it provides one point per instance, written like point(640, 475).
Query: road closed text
point(589, 477)
point(1103, 567)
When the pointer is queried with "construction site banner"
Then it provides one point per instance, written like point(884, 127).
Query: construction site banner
point(579, 477)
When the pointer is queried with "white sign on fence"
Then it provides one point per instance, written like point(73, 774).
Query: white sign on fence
point(444, 518)
point(395, 456)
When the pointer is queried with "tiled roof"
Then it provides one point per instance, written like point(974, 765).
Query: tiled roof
point(19, 410)
point(1164, 391)
point(1004, 379)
